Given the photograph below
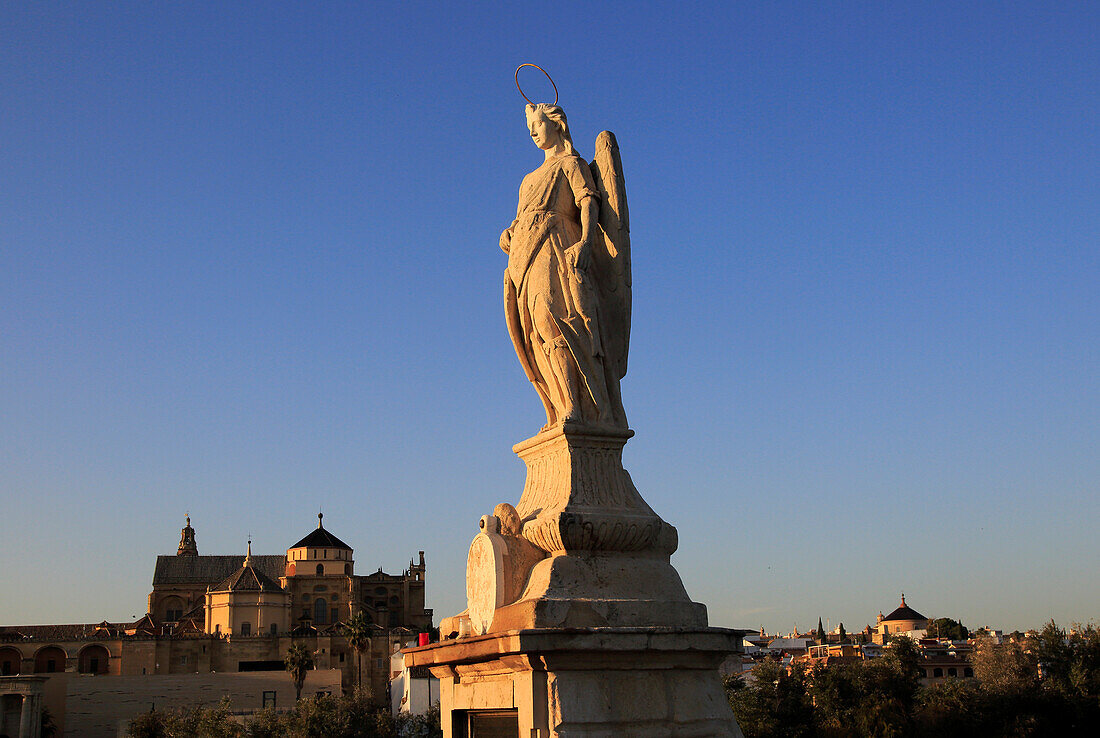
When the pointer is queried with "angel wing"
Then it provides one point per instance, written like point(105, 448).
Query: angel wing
point(612, 253)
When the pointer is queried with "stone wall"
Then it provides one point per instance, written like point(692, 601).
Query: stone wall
point(101, 707)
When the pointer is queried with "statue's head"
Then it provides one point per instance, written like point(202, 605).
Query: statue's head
point(548, 126)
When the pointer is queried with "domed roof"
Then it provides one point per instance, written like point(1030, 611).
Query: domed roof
point(321, 538)
point(248, 579)
point(904, 612)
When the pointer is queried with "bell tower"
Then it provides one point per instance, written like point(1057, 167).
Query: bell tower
point(187, 546)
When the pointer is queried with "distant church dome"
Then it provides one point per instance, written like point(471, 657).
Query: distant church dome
point(904, 612)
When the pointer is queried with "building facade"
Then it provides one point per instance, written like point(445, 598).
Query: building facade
point(234, 614)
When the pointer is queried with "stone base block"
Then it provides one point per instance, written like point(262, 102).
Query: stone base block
point(602, 590)
point(587, 682)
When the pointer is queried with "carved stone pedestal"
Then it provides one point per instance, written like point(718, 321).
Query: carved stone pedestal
point(582, 548)
point(578, 625)
point(584, 682)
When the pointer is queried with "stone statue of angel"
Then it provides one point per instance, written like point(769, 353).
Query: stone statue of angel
point(567, 284)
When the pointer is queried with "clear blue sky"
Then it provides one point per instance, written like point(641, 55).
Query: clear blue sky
point(249, 267)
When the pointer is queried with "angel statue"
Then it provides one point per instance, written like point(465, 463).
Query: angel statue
point(567, 285)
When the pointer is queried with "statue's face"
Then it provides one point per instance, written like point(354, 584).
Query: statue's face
point(544, 133)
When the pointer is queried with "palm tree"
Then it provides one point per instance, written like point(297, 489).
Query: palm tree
point(298, 661)
point(357, 630)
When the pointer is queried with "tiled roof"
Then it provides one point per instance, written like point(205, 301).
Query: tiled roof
point(77, 632)
point(321, 538)
point(904, 613)
point(211, 569)
point(248, 579)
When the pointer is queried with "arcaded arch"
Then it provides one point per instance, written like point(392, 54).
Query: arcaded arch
point(11, 661)
point(93, 659)
point(49, 659)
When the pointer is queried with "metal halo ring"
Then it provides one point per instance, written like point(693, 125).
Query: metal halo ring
point(536, 66)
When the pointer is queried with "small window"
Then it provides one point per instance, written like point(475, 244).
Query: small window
point(269, 699)
point(218, 629)
point(938, 672)
point(378, 663)
point(246, 629)
point(51, 666)
point(968, 672)
point(326, 553)
point(320, 569)
point(347, 569)
point(274, 629)
point(320, 610)
point(341, 657)
point(952, 671)
point(183, 660)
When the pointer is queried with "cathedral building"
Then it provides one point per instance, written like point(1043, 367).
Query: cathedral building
point(222, 615)
point(316, 578)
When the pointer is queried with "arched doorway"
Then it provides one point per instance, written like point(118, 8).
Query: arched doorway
point(49, 660)
point(10, 661)
point(93, 660)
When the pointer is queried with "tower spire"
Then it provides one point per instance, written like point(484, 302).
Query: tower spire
point(248, 553)
point(187, 546)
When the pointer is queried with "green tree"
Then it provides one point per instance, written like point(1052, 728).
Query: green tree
point(819, 636)
point(843, 634)
point(1055, 656)
point(955, 708)
point(357, 629)
point(202, 722)
point(148, 725)
point(1004, 668)
point(198, 722)
point(948, 628)
point(48, 726)
point(298, 662)
point(772, 703)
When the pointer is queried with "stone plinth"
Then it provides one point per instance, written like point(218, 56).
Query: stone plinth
point(579, 498)
point(588, 682)
point(582, 549)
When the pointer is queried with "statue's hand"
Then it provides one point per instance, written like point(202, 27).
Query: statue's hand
point(506, 240)
point(579, 255)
